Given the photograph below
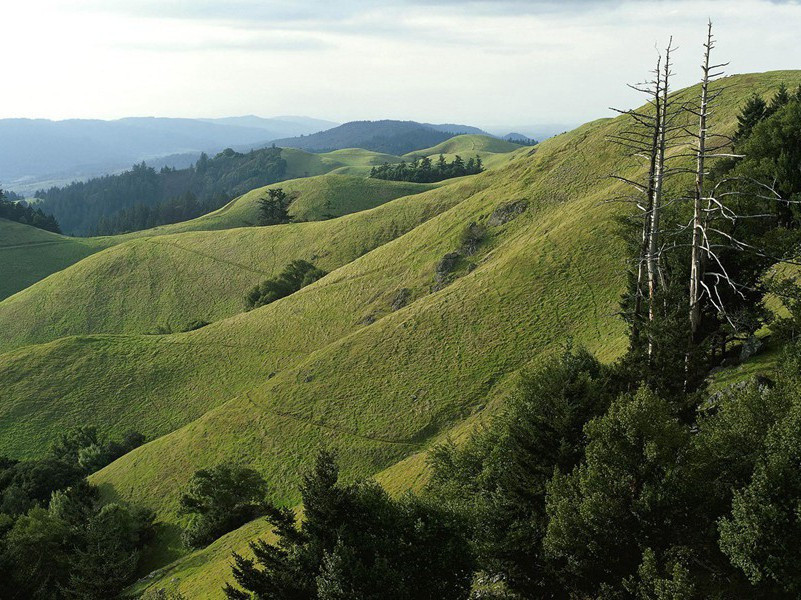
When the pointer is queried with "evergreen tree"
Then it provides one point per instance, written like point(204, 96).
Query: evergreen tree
point(752, 113)
point(274, 209)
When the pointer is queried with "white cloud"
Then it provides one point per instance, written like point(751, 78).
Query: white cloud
point(513, 61)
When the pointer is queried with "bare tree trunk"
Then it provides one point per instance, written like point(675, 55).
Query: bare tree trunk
point(645, 239)
point(696, 267)
point(655, 276)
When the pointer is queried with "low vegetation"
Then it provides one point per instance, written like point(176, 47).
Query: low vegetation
point(219, 500)
point(58, 538)
point(296, 275)
point(356, 542)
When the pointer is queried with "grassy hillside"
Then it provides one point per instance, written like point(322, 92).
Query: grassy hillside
point(493, 151)
point(42, 257)
point(343, 363)
point(33, 254)
point(28, 254)
point(164, 282)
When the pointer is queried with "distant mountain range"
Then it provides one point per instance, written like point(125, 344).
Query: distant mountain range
point(39, 152)
point(391, 137)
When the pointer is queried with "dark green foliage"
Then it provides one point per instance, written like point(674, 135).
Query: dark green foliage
point(422, 170)
point(73, 548)
point(274, 209)
point(296, 275)
point(219, 500)
point(142, 198)
point(105, 561)
point(773, 155)
point(500, 476)
point(85, 448)
point(752, 113)
point(764, 529)
point(14, 208)
point(356, 542)
point(630, 483)
point(30, 483)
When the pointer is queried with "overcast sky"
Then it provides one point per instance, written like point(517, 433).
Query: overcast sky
point(484, 63)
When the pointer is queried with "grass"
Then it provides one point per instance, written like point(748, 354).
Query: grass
point(494, 152)
point(164, 282)
point(28, 254)
point(336, 364)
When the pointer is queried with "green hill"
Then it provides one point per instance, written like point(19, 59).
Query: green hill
point(384, 356)
point(34, 254)
point(28, 254)
point(163, 282)
point(493, 151)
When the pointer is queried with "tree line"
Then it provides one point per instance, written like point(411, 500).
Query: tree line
point(424, 170)
point(14, 208)
point(141, 197)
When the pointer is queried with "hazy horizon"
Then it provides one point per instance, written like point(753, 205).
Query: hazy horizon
point(497, 62)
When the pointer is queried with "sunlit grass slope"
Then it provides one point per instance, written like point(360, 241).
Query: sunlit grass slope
point(28, 254)
point(494, 152)
point(165, 282)
point(339, 363)
point(316, 198)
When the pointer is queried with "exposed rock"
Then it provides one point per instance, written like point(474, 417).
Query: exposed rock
point(447, 264)
point(472, 236)
point(401, 298)
point(368, 320)
point(750, 347)
point(444, 268)
point(506, 212)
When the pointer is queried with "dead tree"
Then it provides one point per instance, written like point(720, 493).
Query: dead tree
point(641, 141)
point(651, 135)
point(707, 146)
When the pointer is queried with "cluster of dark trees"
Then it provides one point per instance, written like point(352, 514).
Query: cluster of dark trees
point(14, 208)
point(143, 198)
point(58, 539)
point(622, 481)
point(424, 170)
point(296, 275)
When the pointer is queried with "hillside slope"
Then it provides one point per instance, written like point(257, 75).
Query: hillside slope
point(389, 136)
point(317, 199)
point(171, 280)
point(28, 254)
point(343, 363)
point(493, 151)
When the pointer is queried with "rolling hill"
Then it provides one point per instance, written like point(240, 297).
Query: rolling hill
point(299, 164)
point(28, 254)
point(192, 271)
point(396, 348)
point(391, 137)
point(493, 151)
